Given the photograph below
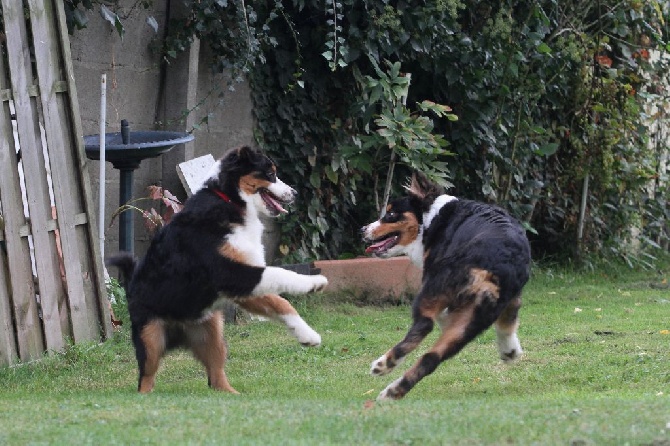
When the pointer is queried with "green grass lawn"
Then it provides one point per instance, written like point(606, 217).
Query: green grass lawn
point(596, 371)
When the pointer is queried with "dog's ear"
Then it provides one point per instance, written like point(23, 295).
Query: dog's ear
point(422, 189)
point(245, 153)
point(419, 185)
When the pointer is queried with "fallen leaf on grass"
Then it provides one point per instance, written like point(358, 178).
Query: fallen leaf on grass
point(665, 332)
point(369, 404)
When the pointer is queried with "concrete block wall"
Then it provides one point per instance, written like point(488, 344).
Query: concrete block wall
point(134, 93)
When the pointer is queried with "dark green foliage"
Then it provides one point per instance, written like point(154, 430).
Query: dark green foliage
point(547, 95)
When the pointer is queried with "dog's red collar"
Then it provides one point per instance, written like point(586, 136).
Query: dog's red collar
point(226, 198)
point(221, 195)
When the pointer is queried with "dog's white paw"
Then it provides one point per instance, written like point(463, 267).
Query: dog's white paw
point(306, 336)
point(301, 331)
point(382, 366)
point(319, 282)
point(391, 392)
point(509, 347)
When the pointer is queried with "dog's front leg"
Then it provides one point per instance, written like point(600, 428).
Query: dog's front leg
point(277, 308)
point(275, 280)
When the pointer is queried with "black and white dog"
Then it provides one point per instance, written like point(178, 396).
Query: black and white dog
point(212, 250)
point(475, 260)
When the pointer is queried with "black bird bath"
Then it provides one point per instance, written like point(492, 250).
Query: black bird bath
point(126, 150)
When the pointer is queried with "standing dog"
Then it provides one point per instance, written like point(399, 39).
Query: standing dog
point(475, 260)
point(212, 250)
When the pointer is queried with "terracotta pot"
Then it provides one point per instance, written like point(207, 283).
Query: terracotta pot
point(394, 277)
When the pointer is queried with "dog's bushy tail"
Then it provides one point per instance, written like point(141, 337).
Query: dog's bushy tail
point(126, 263)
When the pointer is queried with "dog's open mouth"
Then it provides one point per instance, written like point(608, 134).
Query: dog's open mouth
point(273, 203)
point(383, 244)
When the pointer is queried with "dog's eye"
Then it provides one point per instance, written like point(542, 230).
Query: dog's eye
point(391, 216)
point(272, 176)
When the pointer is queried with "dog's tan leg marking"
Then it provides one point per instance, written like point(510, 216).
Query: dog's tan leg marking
point(476, 308)
point(482, 281)
point(506, 326)
point(269, 305)
point(277, 308)
point(450, 342)
point(230, 252)
point(153, 338)
point(206, 341)
point(428, 311)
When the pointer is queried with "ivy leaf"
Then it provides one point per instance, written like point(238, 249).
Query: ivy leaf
point(314, 179)
point(107, 14)
point(543, 48)
point(80, 18)
point(113, 19)
point(151, 21)
point(331, 174)
point(547, 149)
point(514, 69)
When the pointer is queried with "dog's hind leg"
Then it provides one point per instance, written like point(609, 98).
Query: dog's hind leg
point(425, 311)
point(278, 308)
point(506, 327)
point(478, 307)
point(205, 338)
point(150, 344)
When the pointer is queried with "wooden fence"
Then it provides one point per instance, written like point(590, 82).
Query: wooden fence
point(52, 289)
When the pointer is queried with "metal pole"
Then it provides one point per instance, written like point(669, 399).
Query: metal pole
point(582, 208)
point(126, 229)
point(101, 197)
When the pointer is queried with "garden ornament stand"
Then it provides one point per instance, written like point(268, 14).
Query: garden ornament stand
point(126, 150)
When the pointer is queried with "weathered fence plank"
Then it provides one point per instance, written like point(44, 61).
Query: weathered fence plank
point(51, 277)
point(47, 57)
point(94, 285)
point(8, 352)
point(50, 289)
point(19, 284)
point(88, 234)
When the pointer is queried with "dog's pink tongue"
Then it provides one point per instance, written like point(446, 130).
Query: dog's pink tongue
point(379, 245)
point(274, 203)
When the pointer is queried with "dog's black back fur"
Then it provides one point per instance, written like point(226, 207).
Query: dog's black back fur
point(468, 234)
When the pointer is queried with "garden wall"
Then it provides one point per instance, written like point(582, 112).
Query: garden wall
point(152, 97)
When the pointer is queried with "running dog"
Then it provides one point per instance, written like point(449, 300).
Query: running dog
point(475, 260)
point(211, 251)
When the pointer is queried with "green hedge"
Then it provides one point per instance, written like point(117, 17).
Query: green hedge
point(550, 99)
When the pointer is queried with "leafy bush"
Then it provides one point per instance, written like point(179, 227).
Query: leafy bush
point(552, 100)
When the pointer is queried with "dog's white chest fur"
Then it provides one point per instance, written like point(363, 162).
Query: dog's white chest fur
point(415, 249)
point(248, 238)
